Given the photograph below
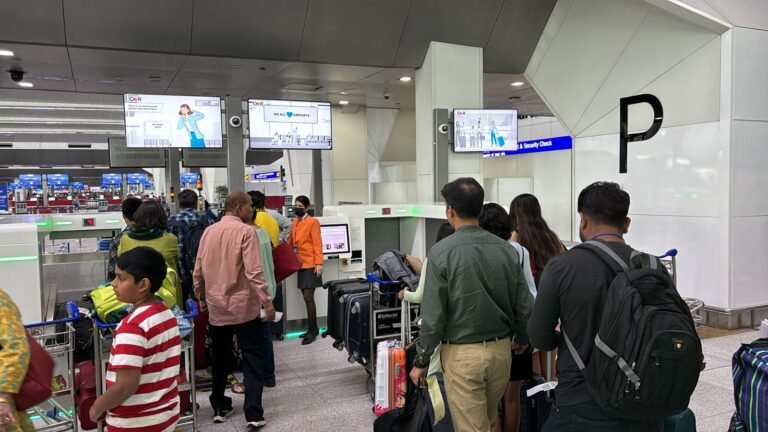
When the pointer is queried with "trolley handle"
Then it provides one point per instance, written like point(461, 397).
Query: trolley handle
point(73, 314)
point(191, 306)
point(669, 254)
point(373, 278)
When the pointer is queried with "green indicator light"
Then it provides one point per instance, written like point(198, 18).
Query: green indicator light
point(64, 223)
point(695, 196)
point(18, 258)
point(43, 224)
point(417, 210)
point(112, 221)
point(401, 210)
point(296, 334)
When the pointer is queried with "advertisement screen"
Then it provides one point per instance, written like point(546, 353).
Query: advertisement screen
point(335, 239)
point(292, 125)
point(31, 180)
point(188, 178)
point(158, 121)
point(476, 130)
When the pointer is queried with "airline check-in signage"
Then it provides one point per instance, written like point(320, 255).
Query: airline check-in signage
point(290, 114)
point(535, 146)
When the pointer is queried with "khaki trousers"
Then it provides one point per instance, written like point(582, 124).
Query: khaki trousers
point(476, 376)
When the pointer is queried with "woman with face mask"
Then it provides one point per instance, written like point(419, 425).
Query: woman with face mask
point(306, 242)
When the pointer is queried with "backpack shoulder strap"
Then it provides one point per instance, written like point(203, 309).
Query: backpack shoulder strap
point(606, 254)
point(646, 261)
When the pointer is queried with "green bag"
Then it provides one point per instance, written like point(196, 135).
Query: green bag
point(111, 310)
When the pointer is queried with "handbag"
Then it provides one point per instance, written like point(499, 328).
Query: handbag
point(286, 261)
point(36, 387)
point(413, 417)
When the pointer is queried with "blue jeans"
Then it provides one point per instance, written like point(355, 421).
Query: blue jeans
point(589, 417)
point(265, 340)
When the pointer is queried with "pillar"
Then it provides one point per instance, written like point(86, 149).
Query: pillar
point(450, 77)
point(235, 147)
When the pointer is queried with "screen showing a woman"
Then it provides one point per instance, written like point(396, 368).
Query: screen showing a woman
point(188, 120)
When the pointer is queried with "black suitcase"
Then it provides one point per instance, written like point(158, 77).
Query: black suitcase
point(357, 330)
point(534, 410)
point(337, 290)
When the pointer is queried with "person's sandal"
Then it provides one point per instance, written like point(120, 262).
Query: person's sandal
point(237, 387)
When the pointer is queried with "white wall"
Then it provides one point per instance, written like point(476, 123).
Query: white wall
point(550, 173)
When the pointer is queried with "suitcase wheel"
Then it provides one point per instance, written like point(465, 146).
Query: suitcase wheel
point(281, 337)
point(351, 359)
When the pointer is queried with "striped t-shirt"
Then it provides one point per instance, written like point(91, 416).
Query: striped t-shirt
point(147, 339)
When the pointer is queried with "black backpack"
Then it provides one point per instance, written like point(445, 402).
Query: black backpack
point(647, 355)
point(191, 235)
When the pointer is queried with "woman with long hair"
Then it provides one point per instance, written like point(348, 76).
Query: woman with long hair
point(531, 230)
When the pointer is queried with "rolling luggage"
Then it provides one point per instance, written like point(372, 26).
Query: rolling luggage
point(535, 408)
point(391, 377)
point(750, 384)
point(357, 324)
point(681, 422)
point(337, 290)
point(202, 359)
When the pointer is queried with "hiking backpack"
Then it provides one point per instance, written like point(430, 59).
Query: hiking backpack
point(191, 235)
point(647, 356)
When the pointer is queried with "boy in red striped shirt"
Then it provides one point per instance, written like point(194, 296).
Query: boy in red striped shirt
point(144, 361)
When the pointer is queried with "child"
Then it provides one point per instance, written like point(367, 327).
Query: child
point(144, 361)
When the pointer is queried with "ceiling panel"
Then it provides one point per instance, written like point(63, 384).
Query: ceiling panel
point(327, 72)
point(33, 21)
point(106, 71)
point(265, 29)
point(224, 75)
point(463, 22)
point(516, 34)
point(46, 67)
point(146, 25)
point(359, 32)
point(499, 93)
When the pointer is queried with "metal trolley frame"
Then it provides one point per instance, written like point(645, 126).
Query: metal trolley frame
point(387, 322)
point(669, 259)
point(58, 344)
point(102, 342)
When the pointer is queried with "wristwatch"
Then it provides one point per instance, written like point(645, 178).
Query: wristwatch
point(421, 362)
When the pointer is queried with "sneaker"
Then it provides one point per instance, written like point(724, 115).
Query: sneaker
point(256, 424)
point(309, 338)
point(221, 415)
point(270, 382)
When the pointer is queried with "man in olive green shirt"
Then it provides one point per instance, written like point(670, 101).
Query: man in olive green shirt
point(477, 306)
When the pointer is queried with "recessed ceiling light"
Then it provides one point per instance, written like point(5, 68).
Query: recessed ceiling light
point(343, 93)
point(344, 102)
point(405, 79)
point(517, 84)
point(26, 84)
point(6, 53)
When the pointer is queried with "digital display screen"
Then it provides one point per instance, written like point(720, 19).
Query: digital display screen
point(187, 178)
point(136, 178)
point(160, 121)
point(293, 125)
point(478, 130)
point(111, 179)
point(30, 180)
point(335, 239)
point(61, 180)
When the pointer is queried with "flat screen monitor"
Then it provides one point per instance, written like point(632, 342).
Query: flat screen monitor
point(188, 178)
point(335, 239)
point(479, 130)
point(161, 121)
point(58, 180)
point(31, 180)
point(77, 186)
point(111, 179)
point(290, 125)
point(136, 178)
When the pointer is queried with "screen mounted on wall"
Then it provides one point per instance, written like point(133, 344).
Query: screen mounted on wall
point(478, 130)
point(335, 239)
point(292, 125)
point(161, 121)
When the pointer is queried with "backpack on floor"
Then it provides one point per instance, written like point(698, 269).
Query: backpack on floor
point(647, 356)
point(750, 384)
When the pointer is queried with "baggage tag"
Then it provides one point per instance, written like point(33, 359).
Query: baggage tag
point(547, 386)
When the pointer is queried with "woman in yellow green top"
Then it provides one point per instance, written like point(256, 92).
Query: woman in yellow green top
point(149, 224)
point(14, 360)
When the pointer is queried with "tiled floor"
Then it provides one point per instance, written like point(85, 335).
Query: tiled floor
point(318, 390)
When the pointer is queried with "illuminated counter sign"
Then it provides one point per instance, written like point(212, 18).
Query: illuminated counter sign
point(536, 146)
point(271, 176)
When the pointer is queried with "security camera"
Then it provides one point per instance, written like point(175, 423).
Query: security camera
point(443, 128)
point(235, 121)
point(386, 95)
point(17, 75)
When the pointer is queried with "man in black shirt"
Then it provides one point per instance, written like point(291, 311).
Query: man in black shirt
point(571, 292)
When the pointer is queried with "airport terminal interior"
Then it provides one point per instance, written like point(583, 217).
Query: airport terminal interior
point(358, 113)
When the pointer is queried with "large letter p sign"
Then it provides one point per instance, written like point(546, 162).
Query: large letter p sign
point(625, 136)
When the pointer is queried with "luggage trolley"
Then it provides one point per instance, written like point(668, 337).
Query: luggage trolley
point(669, 259)
point(57, 337)
point(390, 319)
point(102, 342)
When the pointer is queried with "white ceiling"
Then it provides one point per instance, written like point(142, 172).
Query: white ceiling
point(330, 50)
